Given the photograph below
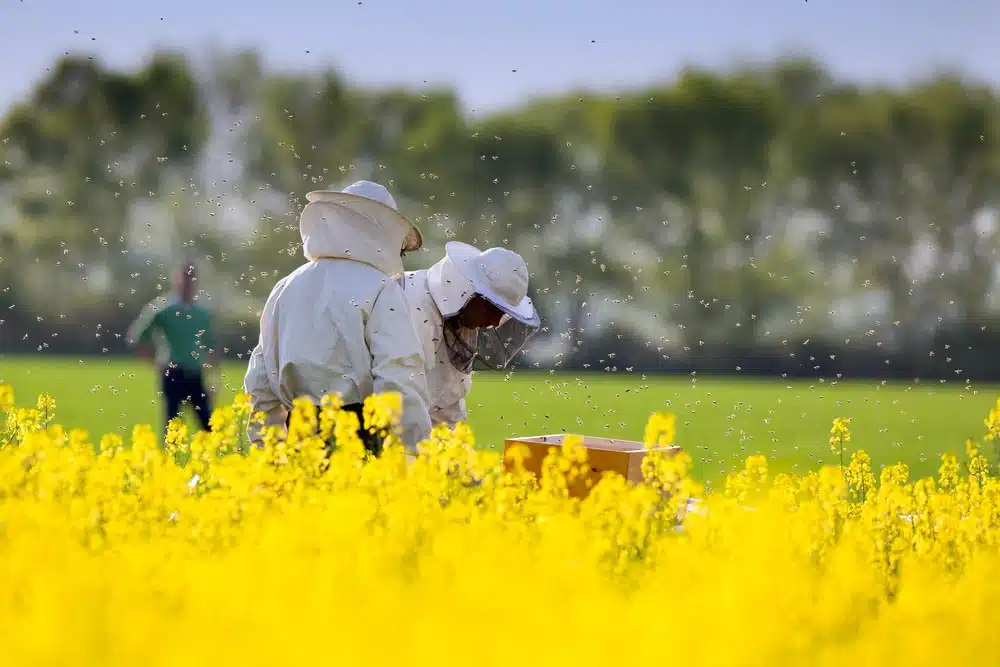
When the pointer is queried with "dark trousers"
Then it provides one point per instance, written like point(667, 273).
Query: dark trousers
point(372, 442)
point(184, 384)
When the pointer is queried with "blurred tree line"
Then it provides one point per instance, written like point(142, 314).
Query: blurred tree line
point(769, 219)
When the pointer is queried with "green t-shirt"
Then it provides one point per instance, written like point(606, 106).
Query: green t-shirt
point(184, 329)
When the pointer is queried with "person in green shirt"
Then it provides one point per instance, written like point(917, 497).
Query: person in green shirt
point(186, 333)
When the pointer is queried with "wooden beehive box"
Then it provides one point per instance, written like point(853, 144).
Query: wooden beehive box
point(603, 455)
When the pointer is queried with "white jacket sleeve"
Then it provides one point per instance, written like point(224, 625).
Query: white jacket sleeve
point(257, 382)
point(398, 362)
point(450, 414)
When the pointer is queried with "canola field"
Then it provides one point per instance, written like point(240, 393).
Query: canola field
point(125, 550)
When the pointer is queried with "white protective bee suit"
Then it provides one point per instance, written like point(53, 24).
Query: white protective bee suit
point(339, 323)
point(437, 295)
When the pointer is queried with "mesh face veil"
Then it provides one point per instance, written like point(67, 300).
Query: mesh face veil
point(493, 347)
point(462, 345)
point(497, 346)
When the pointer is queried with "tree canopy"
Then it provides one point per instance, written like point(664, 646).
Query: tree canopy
point(721, 218)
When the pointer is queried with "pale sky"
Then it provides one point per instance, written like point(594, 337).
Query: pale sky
point(553, 45)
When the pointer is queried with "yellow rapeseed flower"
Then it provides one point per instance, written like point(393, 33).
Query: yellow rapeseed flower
point(6, 396)
point(46, 405)
point(102, 547)
point(992, 422)
point(660, 430)
point(840, 434)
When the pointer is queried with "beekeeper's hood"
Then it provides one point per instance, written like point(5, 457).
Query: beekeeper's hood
point(360, 222)
point(501, 277)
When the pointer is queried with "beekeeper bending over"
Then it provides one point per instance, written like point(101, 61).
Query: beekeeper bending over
point(339, 323)
point(469, 306)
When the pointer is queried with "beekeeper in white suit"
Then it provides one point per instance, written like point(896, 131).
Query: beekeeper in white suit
point(339, 323)
point(470, 306)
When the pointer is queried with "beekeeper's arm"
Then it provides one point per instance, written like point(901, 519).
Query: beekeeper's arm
point(257, 382)
point(398, 362)
point(450, 414)
point(443, 409)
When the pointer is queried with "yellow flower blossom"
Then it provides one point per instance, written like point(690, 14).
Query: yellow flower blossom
point(948, 472)
point(6, 397)
point(971, 450)
point(382, 411)
point(992, 422)
point(860, 478)
point(46, 405)
point(840, 434)
point(660, 430)
point(114, 542)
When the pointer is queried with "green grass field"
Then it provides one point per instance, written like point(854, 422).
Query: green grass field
point(720, 422)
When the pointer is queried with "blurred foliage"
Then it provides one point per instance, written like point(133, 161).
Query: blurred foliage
point(723, 220)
